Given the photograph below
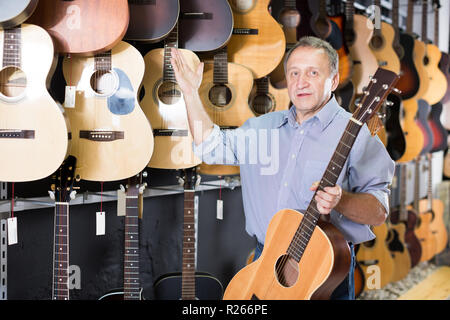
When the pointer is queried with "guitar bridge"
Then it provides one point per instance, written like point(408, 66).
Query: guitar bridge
point(170, 133)
point(16, 134)
point(101, 135)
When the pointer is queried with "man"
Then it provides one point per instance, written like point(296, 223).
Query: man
point(302, 141)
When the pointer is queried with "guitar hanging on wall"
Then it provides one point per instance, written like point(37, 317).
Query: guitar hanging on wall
point(31, 122)
point(299, 260)
point(132, 289)
point(189, 284)
point(16, 12)
point(62, 191)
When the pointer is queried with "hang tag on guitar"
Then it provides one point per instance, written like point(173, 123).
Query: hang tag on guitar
point(121, 203)
point(12, 231)
point(100, 223)
point(219, 210)
point(69, 101)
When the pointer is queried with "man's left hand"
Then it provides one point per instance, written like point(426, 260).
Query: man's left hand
point(328, 198)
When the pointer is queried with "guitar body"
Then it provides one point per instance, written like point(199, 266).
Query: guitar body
point(444, 65)
point(359, 279)
point(26, 106)
point(422, 121)
point(396, 142)
point(200, 33)
point(345, 60)
point(151, 21)
point(438, 83)
point(419, 56)
point(410, 238)
point(116, 111)
point(382, 48)
point(413, 134)
point(172, 151)
point(345, 96)
point(364, 61)
point(83, 27)
point(439, 132)
point(118, 295)
point(234, 109)
point(426, 238)
point(437, 225)
point(260, 52)
point(324, 265)
point(376, 252)
point(16, 12)
point(409, 81)
point(399, 252)
point(207, 287)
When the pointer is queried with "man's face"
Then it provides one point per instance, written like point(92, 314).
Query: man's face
point(309, 81)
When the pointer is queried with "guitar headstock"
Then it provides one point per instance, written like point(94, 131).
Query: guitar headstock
point(190, 179)
point(381, 84)
point(62, 188)
point(135, 185)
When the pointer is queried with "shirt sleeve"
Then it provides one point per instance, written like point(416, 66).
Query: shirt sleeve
point(370, 168)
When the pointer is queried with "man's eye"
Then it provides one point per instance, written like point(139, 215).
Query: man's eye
point(314, 73)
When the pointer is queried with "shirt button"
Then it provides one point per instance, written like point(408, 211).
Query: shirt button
point(285, 184)
point(301, 132)
point(293, 156)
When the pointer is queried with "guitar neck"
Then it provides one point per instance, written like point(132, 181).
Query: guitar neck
point(395, 25)
point(329, 179)
point(403, 188)
point(409, 19)
point(12, 47)
point(131, 256)
point(189, 247)
point(430, 182)
point(170, 42)
point(436, 24)
point(262, 85)
point(102, 61)
point(61, 252)
point(416, 184)
point(220, 73)
point(291, 4)
point(424, 21)
point(349, 13)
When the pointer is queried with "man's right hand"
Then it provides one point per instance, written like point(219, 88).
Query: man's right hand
point(188, 79)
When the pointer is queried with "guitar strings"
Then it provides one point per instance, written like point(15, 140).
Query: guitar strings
point(284, 259)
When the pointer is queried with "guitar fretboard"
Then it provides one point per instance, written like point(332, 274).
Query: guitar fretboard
point(403, 189)
point(329, 179)
point(394, 17)
point(170, 42)
point(131, 286)
point(291, 4)
point(188, 269)
point(220, 74)
point(61, 252)
point(424, 21)
point(430, 182)
point(349, 13)
point(262, 85)
point(409, 19)
point(102, 61)
point(12, 47)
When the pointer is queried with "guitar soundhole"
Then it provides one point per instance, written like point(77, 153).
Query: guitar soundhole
point(290, 18)
point(323, 27)
point(12, 82)
point(169, 92)
point(220, 95)
point(242, 6)
point(262, 104)
point(377, 42)
point(103, 82)
point(286, 270)
point(426, 60)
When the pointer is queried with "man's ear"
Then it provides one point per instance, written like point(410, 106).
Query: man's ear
point(335, 82)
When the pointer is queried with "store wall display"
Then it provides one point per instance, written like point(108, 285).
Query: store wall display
point(123, 113)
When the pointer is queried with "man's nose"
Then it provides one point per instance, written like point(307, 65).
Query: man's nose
point(301, 81)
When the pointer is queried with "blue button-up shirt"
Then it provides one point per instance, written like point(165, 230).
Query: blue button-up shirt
point(280, 159)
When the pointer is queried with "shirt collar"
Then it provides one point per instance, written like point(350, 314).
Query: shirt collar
point(324, 116)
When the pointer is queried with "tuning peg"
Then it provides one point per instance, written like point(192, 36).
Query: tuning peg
point(122, 188)
point(396, 90)
point(142, 187)
point(199, 178)
point(73, 194)
point(389, 103)
point(180, 181)
point(144, 174)
point(51, 194)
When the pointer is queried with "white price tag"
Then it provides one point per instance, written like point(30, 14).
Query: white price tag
point(219, 210)
point(69, 100)
point(100, 223)
point(121, 203)
point(12, 231)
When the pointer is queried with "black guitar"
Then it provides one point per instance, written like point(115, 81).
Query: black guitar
point(62, 191)
point(396, 142)
point(132, 289)
point(188, 284)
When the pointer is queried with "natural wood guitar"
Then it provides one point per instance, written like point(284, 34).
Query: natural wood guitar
point(164, 106)
point(436, 207)
point(83, 27)
point(375, 253)
point(381, 45)
point(364, 61)
point(258, 41)
point(31, 122)
point(398, 249)
point(108, 125)
point(14, 13)
point(413, 134)
point(299, 259)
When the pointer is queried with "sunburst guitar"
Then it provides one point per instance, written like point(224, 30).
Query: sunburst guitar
point(258, 41)
point(164, 106)
point(413, 134)
point(33, 132)
point(111, 137)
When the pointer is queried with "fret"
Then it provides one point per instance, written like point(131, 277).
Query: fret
point(349, 13)
point(220, 73)
point(102, 61)
point(171, 41)
point(12, 55)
